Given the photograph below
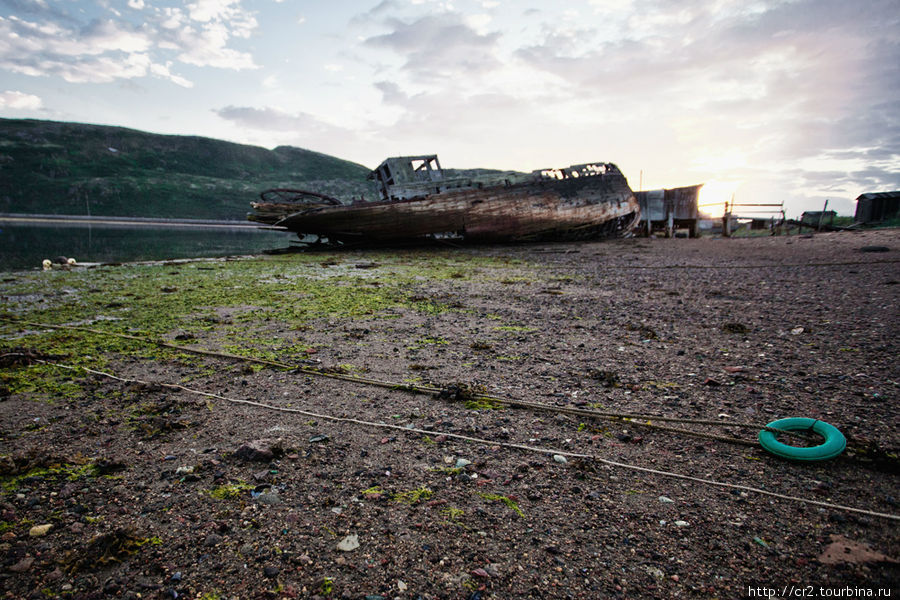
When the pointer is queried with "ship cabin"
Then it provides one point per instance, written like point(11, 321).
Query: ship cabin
point(403, 177)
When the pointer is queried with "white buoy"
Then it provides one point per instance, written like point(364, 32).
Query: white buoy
point(47, 264)
point(71, 261)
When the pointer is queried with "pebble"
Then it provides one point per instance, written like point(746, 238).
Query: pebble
point(681, 523)
point(258, 451)
point(560, 459)
point(39, 530)
point(23, 565)
point(349, 543)
point(268, 498)
point(318, 438)
point(666, 500)
point(462, 463)
point(655, 572)
point(213, 539)
point(271, 571)
point(184, 471)
point(401, 585)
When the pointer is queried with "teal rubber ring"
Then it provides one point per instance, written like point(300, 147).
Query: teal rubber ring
point(834, 443)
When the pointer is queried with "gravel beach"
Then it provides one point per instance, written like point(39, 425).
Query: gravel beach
point(338, 475)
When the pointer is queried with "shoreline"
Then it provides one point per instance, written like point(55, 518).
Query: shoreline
point(21, 218)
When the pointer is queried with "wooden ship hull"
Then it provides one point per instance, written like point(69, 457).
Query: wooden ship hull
point(418, 203)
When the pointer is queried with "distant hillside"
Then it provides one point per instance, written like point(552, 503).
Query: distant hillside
point(71, 168)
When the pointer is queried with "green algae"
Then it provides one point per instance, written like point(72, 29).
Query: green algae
point(252, 307)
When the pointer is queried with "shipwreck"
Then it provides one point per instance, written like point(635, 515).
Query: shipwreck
point(418, 202)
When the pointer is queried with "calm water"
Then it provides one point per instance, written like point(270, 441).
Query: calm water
point(25, 245)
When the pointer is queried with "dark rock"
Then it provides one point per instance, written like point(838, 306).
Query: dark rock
point(23, 565)
point(271, 571)
point(213, 539)
point(256, 451)
point(111, 587)
point(874, 249)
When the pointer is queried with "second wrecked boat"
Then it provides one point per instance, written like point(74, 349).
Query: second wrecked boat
point(418, 202)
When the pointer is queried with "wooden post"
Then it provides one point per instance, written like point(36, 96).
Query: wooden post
point(726, 222)
point(822, 215)
point(649, 223)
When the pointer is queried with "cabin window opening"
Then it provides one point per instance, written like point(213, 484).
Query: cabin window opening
point(386, 175)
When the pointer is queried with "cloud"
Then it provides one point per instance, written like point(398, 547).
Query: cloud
point(101, 51)
point(766, 84)
point(19, 100)
point(272, 119)
point(227, 13)
point(439, 46)
point(206, 46)
point(392, 93)
point(163, 71)
point(38, 7)
point(797, 98)
point(270, 127)
point(55, 44)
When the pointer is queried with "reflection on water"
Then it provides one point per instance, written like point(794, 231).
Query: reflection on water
point(25, 245)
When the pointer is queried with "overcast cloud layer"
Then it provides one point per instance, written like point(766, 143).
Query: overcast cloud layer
point(793, 101)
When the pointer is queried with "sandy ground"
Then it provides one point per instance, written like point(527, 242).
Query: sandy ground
point(206, 498)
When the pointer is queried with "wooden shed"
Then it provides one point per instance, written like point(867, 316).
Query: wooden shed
point(670, 209)
point(877, 207)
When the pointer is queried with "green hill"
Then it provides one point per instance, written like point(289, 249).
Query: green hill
point(71, 168)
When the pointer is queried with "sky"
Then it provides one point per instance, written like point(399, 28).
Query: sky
point(765, 101)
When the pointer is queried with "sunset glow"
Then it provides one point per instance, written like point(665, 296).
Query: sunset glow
point(714, 194)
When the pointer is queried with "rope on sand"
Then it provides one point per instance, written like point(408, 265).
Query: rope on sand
point(466, 438)
point(640, 420)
